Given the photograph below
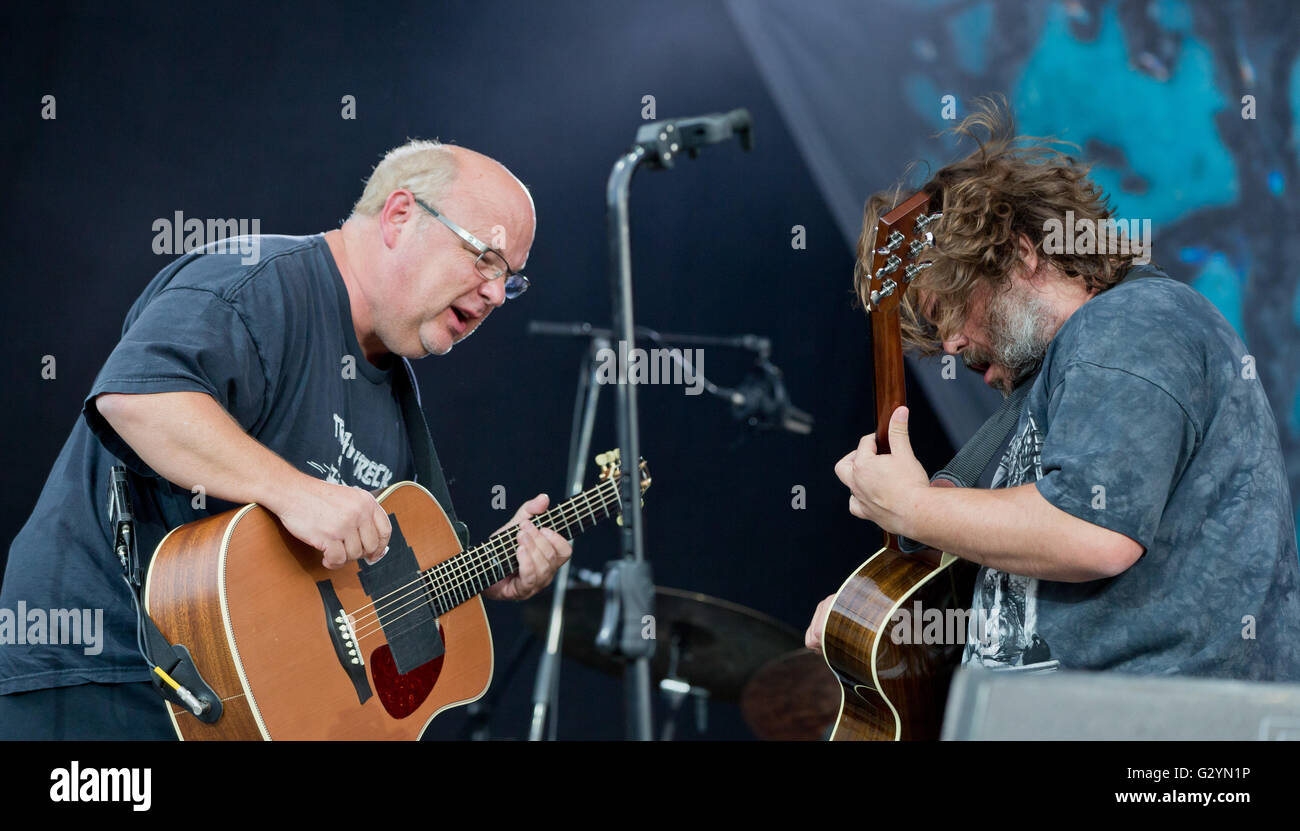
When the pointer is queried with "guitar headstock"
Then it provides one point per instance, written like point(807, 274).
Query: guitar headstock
point(899, 251)
point(611, 467)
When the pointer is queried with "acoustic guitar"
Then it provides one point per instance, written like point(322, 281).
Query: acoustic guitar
point(891, 686)
point(368, 651)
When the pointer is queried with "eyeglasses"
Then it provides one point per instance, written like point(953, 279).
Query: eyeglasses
point(491, 264)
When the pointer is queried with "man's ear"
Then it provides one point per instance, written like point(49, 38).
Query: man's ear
point(1029, 257)
point(397, 214)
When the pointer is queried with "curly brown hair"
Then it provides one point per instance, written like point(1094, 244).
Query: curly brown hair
point(1008, 187)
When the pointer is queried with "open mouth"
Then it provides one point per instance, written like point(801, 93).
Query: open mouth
point(464, 320)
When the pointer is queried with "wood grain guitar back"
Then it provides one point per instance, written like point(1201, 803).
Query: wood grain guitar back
point(894, 684)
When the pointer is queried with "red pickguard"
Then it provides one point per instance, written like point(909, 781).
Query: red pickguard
point(400, 694)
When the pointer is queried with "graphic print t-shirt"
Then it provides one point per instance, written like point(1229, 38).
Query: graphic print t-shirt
point(1148, 419)
point(273, 343)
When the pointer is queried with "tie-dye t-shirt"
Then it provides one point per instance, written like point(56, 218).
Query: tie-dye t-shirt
point(1148, 418)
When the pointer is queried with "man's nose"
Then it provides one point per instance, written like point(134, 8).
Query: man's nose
point(494, 291)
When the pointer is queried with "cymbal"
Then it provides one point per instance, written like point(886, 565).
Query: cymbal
point(721, 643)
point(793, 697)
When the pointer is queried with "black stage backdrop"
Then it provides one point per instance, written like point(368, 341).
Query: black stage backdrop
point(237, 113)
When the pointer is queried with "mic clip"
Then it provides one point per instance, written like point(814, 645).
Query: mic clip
point(122, 519)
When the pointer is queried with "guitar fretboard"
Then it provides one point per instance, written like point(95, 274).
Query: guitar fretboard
point(466, 575)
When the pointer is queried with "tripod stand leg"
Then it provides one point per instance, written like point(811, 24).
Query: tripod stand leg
point(546, 688)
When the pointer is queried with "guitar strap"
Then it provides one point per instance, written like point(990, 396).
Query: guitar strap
point(966, 467)
point(428, 470)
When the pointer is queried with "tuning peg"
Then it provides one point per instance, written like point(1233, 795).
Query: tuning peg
point(609, 457)
point(895, 239)
point(909, 273)
point(923, 220)
point(885, 290)
point(919, 245)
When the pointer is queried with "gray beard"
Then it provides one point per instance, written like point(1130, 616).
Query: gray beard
point(1021, 326)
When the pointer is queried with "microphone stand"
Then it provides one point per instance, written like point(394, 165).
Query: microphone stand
point(635, 587)
point(629, 585)
point(657, 144)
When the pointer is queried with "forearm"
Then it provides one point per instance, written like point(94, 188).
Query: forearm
point(189, 439)
point(1016, 530)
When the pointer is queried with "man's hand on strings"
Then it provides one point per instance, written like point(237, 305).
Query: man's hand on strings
point(541, 553)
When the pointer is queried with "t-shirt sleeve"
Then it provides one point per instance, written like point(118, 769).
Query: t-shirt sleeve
point(1115, 447)
point(185, 340)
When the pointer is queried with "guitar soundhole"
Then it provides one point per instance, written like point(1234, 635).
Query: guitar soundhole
point(401, 694)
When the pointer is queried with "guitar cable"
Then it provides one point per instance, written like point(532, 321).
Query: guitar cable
point(191, 701)
point(121, 518)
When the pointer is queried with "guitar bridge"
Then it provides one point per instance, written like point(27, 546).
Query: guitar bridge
point(348, 631)
point(343, 635)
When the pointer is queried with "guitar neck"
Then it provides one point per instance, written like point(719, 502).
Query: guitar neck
point(897, 234)
point(891, 392)
point(891, 388)
point(469, 573)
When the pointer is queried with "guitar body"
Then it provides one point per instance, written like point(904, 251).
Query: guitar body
point(893, 684)
point(249, 600)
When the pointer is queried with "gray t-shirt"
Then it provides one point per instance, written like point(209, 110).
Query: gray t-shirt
point(1148, 419)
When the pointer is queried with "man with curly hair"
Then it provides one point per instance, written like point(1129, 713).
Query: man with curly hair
point(1140, 520)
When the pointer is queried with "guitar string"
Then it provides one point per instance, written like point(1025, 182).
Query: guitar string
point(544, 517)
point(498, 542)
point(451, 576)
point(475, 564)
point(415, 604)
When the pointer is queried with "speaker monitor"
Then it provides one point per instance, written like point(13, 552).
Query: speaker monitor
point(988, 704)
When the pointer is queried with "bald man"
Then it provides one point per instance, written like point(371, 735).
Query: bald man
point(272, 382)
